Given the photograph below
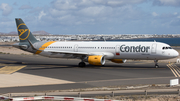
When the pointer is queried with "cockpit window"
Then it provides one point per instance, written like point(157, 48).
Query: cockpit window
point(166, 48)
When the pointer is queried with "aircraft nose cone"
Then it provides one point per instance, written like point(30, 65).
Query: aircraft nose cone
point(175, 53)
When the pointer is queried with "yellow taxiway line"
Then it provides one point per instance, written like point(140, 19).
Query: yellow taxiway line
point(10, 69)
point(1, 64)
point(175, 69)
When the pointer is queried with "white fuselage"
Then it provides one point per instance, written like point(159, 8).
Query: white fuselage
point(112, 50)
point(95, 53)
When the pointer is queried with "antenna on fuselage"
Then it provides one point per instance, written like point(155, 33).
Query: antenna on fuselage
point(154, 40)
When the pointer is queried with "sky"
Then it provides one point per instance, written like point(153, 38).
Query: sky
point(93, 16)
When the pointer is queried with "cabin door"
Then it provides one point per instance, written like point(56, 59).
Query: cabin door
point(117, 50)
point(76, 48)
point(153, 49)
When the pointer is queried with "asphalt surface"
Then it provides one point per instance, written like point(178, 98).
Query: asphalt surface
point(130, 73)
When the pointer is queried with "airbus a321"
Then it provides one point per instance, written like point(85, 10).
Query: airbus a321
point(96, 52)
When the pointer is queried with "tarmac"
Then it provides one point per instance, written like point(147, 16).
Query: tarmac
point(31, 73)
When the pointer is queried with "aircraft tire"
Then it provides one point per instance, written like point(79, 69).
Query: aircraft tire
point(156, 66)
point(82, 64)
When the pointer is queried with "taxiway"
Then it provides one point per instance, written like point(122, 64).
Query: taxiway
point(27, 73)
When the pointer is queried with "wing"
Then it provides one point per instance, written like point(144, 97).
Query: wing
point(108, 55)
point(67, 52)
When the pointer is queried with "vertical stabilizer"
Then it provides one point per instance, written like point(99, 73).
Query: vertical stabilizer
point(23, 32)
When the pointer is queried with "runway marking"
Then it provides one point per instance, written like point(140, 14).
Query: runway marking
point(10, 69)
point(175, 69)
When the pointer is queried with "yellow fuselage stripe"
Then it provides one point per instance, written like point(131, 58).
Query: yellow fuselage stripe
point(44, 46)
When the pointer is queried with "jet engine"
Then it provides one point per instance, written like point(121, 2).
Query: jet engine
point(118, 60)
point(97, 60)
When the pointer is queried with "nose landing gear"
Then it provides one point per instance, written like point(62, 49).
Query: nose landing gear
point(156, 63)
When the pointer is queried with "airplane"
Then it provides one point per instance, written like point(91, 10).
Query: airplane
point(93, 52)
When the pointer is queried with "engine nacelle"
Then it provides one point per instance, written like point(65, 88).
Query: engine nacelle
point(97, 60)
point(118, 60)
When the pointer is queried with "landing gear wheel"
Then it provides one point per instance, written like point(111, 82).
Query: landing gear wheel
point(157, 66)
point(156, 63)
point(82, 64)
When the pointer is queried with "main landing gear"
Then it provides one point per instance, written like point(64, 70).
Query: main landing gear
point(156, 63)
point(82, 64)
